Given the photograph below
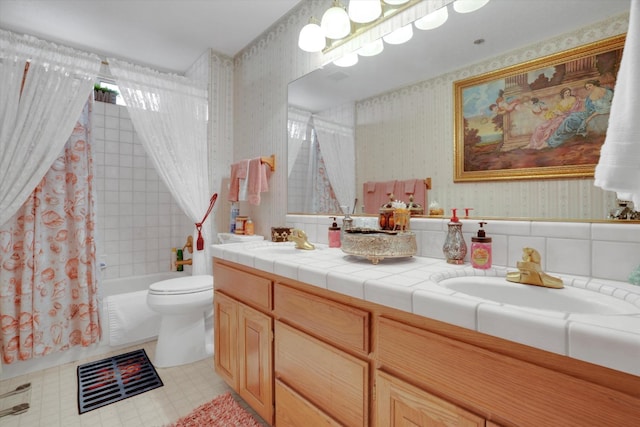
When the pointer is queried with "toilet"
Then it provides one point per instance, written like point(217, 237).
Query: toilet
point(182, 303)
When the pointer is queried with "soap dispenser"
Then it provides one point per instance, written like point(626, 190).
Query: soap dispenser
point(334, 234)
point(481, 249)
point(454, 247)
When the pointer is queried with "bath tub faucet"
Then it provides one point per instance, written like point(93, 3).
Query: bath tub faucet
point(188, 246)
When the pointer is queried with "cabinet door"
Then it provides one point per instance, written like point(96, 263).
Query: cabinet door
point(401, 404)
point(255, 338)
point(225, 337)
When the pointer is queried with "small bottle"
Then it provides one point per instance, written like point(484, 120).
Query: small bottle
point(235, 211)
point(481, 249)
point(334, 234)
point(454, 248)
point(179, 258)
point(174, 258)
point(248, 227)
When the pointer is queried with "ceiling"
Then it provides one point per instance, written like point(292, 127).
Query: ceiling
point(504, 25)
point(168, 35)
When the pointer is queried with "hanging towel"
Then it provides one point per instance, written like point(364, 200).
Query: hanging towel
point(410, 186)
point(618, 168)
point(388, 187)
point(369, 187)
point(239, 171)
point(258, 180)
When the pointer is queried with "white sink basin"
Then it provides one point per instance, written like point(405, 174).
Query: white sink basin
point(568, 299)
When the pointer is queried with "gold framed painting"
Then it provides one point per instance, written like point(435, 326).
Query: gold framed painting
point(545, 118)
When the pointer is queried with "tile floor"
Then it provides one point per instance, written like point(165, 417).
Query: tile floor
point(53, 397)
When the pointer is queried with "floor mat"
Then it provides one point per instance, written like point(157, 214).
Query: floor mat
point(115, 378)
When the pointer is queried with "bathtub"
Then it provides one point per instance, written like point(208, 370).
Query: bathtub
point(131, 289)
point(125, 317)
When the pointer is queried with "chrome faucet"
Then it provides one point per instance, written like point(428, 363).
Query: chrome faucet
point(530, 272)
point(300, 238)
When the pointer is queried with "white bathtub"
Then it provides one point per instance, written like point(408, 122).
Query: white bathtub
point(131, 289)
point(125, 317)
point(123, 285)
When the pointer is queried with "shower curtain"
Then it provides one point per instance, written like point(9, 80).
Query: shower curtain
point(47, 255)
point(169, 113)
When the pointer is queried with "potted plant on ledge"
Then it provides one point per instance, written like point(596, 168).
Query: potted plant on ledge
point(104, 94)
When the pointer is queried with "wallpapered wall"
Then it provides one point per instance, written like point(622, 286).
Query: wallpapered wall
point(264, 68)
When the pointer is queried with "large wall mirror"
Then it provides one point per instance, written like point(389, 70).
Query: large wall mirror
point(390, 117)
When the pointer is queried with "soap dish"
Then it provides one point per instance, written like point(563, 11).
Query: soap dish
point(378, 246)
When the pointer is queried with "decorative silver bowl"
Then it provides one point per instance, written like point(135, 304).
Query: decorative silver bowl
point(376, 246)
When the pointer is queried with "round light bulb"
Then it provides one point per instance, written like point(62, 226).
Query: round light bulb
point(399, 36)
point(364, 11)
point(371, 49)
point(311, 38)
point(348, 60)
point(433, 20)
point(335, 23)
point(466, 6)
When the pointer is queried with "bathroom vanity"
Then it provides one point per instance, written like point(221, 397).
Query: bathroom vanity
point(302, 350)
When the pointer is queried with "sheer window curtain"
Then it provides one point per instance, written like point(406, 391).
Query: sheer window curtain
point(43, 88)
point(337, 146)
point(169, 112)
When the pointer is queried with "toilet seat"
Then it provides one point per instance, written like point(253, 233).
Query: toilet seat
point(182, 285)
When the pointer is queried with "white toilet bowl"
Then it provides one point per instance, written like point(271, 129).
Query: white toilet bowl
point(182, 302)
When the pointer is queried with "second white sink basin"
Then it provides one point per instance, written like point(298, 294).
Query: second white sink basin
point(568, 299)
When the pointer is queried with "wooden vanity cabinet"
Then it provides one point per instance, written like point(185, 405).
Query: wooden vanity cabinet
point(243, 354)
point(337, 360)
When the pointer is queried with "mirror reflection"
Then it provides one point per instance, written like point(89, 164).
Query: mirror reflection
point(390, 117)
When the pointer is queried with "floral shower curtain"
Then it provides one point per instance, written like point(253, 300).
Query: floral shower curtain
point(48, 297)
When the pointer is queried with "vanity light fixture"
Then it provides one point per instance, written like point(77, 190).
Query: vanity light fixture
point(371, 49)
point(395, 2)
point(335, 22)
point(364, 11)
point(348, 60)
point(433, 20)
point(399, 36)
point(466, 6)
point(311, 38)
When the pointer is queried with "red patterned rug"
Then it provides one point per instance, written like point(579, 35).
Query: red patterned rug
point(223, 411)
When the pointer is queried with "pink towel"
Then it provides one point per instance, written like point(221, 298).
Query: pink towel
point(238, 171)
point(258, 180)
point(369, 187)
point(389, 187)
point(410, 186)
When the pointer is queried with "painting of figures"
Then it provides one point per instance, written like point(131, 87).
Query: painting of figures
point(546, 118)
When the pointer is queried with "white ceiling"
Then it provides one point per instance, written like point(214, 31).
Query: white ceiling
point(169, 35)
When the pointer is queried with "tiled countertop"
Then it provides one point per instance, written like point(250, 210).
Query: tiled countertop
point(411, 285)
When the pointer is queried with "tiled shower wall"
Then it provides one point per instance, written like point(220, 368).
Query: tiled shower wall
point(138, 222)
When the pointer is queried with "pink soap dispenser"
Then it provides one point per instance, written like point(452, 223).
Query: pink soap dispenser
point(481, 249)
point(334, 234)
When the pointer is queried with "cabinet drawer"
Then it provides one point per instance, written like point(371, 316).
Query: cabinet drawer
point(330, 379)
point(400, 404)
point(345, 326)
point(246, 287)
point(293, 410)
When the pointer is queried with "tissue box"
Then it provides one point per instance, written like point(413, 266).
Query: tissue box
point(280, 234)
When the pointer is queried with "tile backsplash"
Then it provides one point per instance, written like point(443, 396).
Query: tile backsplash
point(603, 250)
point(138, 220)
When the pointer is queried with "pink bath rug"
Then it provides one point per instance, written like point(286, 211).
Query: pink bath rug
point(223, 411)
